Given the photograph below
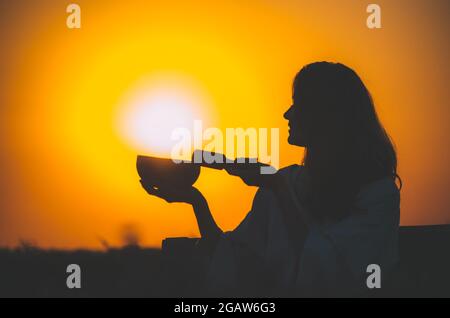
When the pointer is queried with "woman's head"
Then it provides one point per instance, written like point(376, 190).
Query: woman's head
point(334, 118)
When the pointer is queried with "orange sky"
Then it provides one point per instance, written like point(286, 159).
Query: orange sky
point(68, 176)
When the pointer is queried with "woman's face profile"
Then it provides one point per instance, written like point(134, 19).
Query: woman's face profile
point(296, 130)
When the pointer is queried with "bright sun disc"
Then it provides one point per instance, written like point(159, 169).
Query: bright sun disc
point(155, 107)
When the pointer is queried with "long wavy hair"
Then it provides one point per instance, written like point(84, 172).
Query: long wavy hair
point(346, 144)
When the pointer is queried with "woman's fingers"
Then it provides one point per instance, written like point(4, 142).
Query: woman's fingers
point(149, 188)
point(158, 193)
point(169, 194)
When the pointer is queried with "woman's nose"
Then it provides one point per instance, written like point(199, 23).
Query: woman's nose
point(286, 114)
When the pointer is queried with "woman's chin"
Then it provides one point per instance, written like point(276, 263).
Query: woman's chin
point(295, 141)
point(291, 140)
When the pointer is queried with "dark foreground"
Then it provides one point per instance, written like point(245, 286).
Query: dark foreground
point(175, 272)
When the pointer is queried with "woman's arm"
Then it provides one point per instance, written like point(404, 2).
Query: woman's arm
point(294, 215)
point(296, 219)
point(208, 227)
point(209, 230)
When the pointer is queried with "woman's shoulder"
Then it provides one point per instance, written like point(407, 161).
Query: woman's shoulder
point(292, 171)
point(291, 168)
point(382, 190)
point(297, 175)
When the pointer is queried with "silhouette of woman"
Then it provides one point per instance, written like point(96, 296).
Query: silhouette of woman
point(313, 228)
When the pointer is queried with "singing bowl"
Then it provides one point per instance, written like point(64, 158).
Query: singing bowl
point(164, 172)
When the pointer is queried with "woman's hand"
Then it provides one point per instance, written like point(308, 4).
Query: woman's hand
point(207, 226)
point(252, 175)
point(173, 194)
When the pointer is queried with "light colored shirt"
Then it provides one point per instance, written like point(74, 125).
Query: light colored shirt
point(334, 257)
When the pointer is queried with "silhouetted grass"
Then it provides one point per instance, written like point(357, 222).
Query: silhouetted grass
point(133, 271)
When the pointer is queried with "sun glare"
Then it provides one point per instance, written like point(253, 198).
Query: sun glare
point(155, 107)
